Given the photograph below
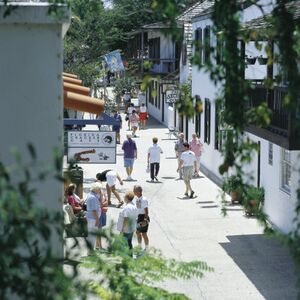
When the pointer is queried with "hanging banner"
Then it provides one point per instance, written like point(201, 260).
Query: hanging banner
point(114, 61)
point(172, 96)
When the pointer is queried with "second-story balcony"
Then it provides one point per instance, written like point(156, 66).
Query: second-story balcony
point(280, 130)
point(160, 66)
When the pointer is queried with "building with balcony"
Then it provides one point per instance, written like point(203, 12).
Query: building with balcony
point(275, 167)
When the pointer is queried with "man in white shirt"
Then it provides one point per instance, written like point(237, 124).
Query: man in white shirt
point(154, 159)
point(187, 163)
point(143, 216)
point(127, 219)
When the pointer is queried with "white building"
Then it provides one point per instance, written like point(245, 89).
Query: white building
point(276, 166)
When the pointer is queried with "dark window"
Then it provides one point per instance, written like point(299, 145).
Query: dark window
point(207, 121)
point(151, 92)
point(198, 124)
point(154, 48)
point(217, 109)
point(206, 44)
point(184, 54)
point(198, 46)
point(155, 93)
point(220, 50)
point(159, 95)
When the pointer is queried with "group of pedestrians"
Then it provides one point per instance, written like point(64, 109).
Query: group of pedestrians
point(134, 216)
point(134, 213)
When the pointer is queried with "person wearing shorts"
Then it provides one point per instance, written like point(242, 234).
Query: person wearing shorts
point(130, 154)
point(143, 116)
point(143, 216)
point(187, 164)
point(110, 177)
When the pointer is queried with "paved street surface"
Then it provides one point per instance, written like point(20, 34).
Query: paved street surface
point(246, 264)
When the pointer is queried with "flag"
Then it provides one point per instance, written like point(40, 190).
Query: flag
point(114, 61)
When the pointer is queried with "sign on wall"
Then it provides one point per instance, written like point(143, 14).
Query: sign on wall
point(172, 96)
point(97, 147)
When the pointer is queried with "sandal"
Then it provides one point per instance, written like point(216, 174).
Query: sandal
point(120, 204)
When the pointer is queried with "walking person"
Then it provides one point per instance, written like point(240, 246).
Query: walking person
point(187, 164)
point(127, 219)
point(154, 153)
point(179, 149)
point(134, 121)
point(143, 216)
point(130, 154)
point(196, 147)
point(129, 111)
point(117, 128)
point(93, 214)
point(126, 99)
point(143, 116)
point(110, 177)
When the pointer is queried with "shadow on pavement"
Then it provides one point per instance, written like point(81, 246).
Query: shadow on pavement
point(210, 206)
point(205, 202)
point(186, 198)
point(171, 157)
point(168, 177)
point(131, 180)
point(266, 263)
point(154, 181)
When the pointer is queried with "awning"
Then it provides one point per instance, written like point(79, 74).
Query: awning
point(75, 88)
point(83, 103)
point(70, 75)
point(72, 80)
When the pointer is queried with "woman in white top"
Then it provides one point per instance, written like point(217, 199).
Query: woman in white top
point(129, 111)
point(134, 121)
point(143, 216)
point(143, 115)
point(154, 159)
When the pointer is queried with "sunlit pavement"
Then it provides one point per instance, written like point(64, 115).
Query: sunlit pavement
point(246, 264)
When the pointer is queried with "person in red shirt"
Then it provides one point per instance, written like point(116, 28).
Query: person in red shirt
point(73, 199)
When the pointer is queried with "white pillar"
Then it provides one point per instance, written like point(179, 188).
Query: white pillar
point(31, 96)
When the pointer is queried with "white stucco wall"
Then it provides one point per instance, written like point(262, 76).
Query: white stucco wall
point(279, 205)
point(31, 90)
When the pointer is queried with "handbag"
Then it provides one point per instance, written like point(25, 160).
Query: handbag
point(104, 209)
point(148, 169)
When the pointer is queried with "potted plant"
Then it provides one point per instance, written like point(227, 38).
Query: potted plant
point(253, 197)
point(250, 60)
point(262, 60)
point(233, 185)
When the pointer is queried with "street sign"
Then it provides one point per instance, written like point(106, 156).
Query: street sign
point(98, 147)
point(172, 96)
point(92, 155)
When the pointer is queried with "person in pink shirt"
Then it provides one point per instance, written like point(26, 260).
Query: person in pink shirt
point(196, 147)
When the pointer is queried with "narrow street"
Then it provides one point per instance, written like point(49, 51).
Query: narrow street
point(246, 264)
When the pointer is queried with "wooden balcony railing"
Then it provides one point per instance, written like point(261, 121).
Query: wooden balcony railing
point(157, 65)
point(274, 99)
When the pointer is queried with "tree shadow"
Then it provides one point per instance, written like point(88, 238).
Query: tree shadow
point(266, 263)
